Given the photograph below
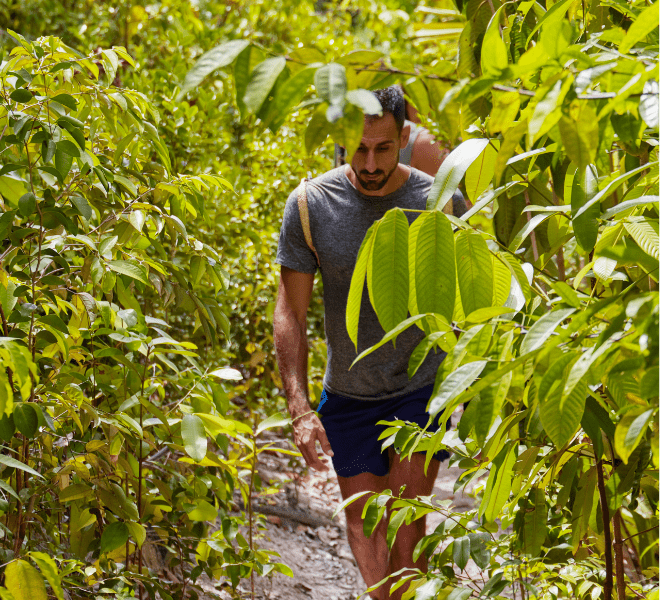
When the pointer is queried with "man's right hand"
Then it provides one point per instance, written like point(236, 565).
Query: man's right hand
point(306, 431)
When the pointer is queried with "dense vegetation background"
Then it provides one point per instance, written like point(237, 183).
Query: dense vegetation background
point(143, 178)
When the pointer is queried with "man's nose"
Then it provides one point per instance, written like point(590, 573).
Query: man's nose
point(370, 164)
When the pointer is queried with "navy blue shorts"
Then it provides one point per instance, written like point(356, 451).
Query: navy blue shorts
point(353, 434)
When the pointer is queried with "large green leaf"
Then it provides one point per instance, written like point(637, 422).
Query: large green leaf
point(474, 267)
point(628, 204)
point(512, 139)
point(585, 187)
point(204, 511)
point(535, 523)
point(451, 172)
point(262, 80)
point(395, 522)
point(501, 486)
point(611, 187)
point(649, 103)
point(289, 94)
point(25, 418)
point(579, 134)
point(645, 23)
point(480, 173)
point(479, 550)
point(365, 100)
point(461, 552)
point(243, 65)
point(582, 506)
point(347, 131)
point(435, 267)
point(467, 63)
point(583, 364)
point(194, 437)
point(276, 420)
point(393, 334)
point(354, 300)
point(24, 582)
point(218, 57)
point(421, 351)
point(131, 269)
point(489, 406)
point(7, 298)
point(501, 282)
point(8, 461)
point(494, 55)
point(541, 331)
point(552, 378)
point(49, 569)
point(554, 14)
point(645, 233)
point(546, 113)
point(413, 232)
point(457, 382)
point(388, 288)
point(561, 416)
point(527, 229)
point(317, 131)
point(508, 217)
point(630, 430)
point(114, 536)
point(331, 84)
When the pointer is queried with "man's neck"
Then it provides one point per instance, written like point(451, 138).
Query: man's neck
point(396, 180)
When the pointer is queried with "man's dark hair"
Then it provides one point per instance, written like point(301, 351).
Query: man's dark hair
point(391, 100)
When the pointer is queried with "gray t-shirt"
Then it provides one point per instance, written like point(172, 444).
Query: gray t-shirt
point(340, 216)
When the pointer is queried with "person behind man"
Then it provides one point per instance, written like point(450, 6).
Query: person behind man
point(343, 203)
point(422, 150)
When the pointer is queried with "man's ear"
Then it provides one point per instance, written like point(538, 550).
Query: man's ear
point(404, 136)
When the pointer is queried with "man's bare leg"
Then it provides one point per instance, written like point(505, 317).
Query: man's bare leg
point(411, 474)
point(371, 553)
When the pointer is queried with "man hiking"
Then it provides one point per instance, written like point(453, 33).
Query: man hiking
point(342, 205)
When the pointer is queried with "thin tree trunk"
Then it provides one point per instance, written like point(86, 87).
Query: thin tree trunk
point(618, 557)
point(607, 588)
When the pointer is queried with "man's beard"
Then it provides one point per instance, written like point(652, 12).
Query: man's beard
point(376, 184)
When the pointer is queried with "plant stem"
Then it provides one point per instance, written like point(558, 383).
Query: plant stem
point(618, 557)
point(607, 588)
point(140, 461)
point(250, 514)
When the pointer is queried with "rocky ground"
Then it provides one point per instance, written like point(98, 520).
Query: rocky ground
point(299, 527)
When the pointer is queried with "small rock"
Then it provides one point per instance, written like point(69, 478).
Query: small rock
point(275, 520)
point(302, 529)
point(303, 588)
point(328, 535)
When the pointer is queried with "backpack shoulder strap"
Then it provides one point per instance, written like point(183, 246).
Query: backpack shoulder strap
point(304, 217)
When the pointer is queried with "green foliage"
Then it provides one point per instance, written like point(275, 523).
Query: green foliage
point(94, 388)
point(119, 241)
point(561, 376)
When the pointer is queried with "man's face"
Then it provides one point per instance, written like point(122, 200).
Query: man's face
point(378, 155)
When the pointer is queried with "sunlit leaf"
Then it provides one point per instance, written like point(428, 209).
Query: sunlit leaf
point(474, 266)
point(389, 289)
point(24, 582)
point(645, 23)
point(194, 436)
point(435, 268)
point(218, 57)
point(114, 536)
point(451, 172)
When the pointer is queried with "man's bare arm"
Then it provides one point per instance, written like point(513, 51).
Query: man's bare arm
point(291, 348)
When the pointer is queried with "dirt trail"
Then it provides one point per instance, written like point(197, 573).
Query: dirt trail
point(300, 529)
